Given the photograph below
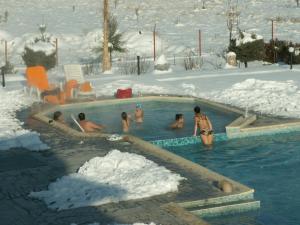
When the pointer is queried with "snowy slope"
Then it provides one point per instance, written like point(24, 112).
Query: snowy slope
point(72, 21)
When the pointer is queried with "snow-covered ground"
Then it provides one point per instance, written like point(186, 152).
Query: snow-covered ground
point(77, 25)
point(12, 134)
point(116, 177)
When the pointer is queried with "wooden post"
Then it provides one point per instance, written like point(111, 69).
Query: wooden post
point(154, 43)
point(5, 51)
point(56, 51)
point(272, 30)
point(200, 50)
point(3, 75)
point(106, 65)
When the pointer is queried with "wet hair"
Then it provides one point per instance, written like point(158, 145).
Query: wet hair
point(56, 115)
point(81, 116)
point(197, 109)
point(124, 115)
point(178, 116)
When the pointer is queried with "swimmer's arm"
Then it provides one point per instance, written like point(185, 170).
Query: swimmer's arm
point(209, 124)
point(195, 127)
point(96, 126)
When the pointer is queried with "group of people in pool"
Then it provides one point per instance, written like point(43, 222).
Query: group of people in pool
point(201, 122)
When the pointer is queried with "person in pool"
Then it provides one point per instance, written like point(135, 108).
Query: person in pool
point(179, 122)
point(139, 113)
point(58, 117)
point(125, 121)
point(88, 126)
point(203, 123)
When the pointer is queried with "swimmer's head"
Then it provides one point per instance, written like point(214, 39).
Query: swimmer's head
point(81, 116)
point(178, 116)
point(124, 116)
point(57, 115)
point(138, 106)
point(197, 109)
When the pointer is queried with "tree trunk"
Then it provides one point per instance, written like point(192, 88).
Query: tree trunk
point(106, 65)
point(246, 64)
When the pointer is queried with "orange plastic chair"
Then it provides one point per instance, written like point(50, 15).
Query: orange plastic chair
point(37, 78)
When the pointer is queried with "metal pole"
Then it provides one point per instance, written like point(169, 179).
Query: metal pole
point(291, 63)
point(56, 51)
point(6, 53)
point(200, 40)
point(138, 65)
point(154, 43)
point(272, 30)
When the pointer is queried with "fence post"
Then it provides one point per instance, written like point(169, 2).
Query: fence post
point(3, 75)
point(154, 43)
point(56, 51)
point(174, 60)
point(138, 65)
point(200, 40)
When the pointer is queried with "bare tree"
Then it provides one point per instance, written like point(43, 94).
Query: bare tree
point(232, 18)
point(106, 65)
point(116, 2)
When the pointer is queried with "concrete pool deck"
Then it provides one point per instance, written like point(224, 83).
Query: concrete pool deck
point(22, 172)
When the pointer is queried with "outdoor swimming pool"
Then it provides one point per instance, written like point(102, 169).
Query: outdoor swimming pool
point(158, 115)
point(269, 164)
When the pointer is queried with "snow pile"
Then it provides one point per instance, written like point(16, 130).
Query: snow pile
point(12, 134)
point(116, 177)
point(247, 38)
point(267, 97)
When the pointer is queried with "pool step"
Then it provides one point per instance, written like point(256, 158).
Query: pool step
point(225, 208)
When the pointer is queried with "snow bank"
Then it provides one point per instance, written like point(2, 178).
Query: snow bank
point(267, 97)
point(116, 177)
point(12, 134)
point(109, 89)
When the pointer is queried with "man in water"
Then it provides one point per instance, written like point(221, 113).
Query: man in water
point(139, 113)
point(179, 122)
point(206, 130)
point(88, 126)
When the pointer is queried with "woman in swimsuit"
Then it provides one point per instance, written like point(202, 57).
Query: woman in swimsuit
point(203, 123)
point(125, 121)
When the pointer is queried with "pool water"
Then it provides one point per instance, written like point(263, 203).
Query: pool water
point(269, 164)
point(158, 116)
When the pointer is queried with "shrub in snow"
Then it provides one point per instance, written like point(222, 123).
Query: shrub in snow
point(129, 66)
point(280, 50)
point(162, 64)
point(248, 47)
point(9, 68)
point(40, 51)
point(192, 61)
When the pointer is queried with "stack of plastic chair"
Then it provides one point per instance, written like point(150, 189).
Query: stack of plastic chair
point(84, 88)
point(37, 80)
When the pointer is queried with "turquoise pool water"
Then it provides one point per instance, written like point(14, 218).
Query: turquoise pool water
point(270, 165)
point(158, 117)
